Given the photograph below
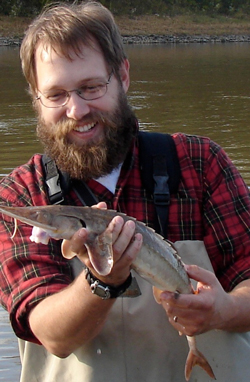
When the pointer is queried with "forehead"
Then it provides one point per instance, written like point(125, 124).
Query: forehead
point(53, 69)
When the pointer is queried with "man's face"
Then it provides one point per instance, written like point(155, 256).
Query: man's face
point(86, 138)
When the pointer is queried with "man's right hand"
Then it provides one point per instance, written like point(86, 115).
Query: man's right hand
point(125, 244)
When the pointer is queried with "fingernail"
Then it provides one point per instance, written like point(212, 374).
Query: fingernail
point(82, 232)
point(131, 224)
point(166, 295)
point(138, 237)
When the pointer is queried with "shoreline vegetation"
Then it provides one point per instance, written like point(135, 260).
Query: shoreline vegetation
point(146, 29)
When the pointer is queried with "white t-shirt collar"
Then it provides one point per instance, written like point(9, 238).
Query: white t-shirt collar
point(110, 181)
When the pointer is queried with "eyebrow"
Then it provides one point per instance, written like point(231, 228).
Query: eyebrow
point(80, 84)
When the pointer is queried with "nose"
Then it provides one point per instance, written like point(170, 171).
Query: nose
point(77, 107)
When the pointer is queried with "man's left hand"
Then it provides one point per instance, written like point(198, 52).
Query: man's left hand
point(210, 307)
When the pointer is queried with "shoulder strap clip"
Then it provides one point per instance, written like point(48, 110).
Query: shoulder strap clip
point(161, 195)
point(54, 189)
point(160, 172)
point(52, 179)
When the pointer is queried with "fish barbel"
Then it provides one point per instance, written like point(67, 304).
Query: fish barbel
point(157, 261)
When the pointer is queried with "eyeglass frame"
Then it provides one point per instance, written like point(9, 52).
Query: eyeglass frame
point(77, 91)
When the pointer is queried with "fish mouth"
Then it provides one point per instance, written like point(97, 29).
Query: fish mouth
point(29, 215)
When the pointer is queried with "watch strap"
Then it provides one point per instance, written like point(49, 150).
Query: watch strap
point(106, 291)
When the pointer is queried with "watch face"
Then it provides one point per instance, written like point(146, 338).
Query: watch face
point(100, 290)
point(103, 292)
point(106, 291)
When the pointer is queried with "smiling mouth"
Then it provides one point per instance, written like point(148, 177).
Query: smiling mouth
point(85, 128)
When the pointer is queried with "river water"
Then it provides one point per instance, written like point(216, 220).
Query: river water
point(199, 89)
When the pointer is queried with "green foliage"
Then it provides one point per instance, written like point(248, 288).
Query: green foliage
point(136, 7)
point(20, 7)
point(5, 7)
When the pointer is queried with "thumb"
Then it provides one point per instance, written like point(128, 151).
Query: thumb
point(200, 274)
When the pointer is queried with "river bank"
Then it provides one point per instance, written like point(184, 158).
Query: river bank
point(158, 39)
point(155, 29)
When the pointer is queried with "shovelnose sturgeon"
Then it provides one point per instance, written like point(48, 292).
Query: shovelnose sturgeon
point(157, 261)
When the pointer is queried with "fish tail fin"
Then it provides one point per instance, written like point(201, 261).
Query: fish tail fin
point(195, 357)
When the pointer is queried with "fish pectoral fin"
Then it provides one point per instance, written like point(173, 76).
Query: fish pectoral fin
point(100, 253)
point(195, 357)
point(157, 294)
point(66, 250)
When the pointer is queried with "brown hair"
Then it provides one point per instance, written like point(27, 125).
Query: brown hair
point(66, 27)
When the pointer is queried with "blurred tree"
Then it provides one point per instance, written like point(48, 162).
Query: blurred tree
point(134, 7)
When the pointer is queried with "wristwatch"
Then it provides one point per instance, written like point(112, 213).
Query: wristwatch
point(106, 291)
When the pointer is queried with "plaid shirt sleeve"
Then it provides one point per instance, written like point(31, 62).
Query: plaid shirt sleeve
point(29, 272)
point(213, 205)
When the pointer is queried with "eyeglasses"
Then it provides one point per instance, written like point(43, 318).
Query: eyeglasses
point(59, 98)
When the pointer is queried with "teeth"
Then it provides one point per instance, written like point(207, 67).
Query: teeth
point(85, 128)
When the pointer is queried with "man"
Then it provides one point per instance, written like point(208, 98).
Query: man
point(73, 59)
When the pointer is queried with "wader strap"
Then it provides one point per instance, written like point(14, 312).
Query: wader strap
point(84, 193)
point(160, 172)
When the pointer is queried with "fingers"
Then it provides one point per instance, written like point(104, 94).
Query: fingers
point(193, 314)
point(123, 237)
point(196, 313)
point(185, 320)
point(102, 205)
point(164, 298)
point(200, 274)
point(126, 244)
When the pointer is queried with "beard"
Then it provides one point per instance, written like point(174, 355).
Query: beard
point(93, 159)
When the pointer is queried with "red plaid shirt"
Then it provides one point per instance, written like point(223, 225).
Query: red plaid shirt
point(212, 204)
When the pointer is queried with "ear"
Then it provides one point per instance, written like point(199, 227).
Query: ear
point(124, 75)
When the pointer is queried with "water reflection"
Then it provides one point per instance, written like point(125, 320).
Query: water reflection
point(17, 120)
point(196, 89)
point(9, 356)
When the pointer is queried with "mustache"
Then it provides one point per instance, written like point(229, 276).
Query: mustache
point(65, 126)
